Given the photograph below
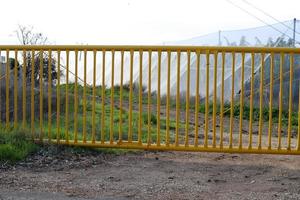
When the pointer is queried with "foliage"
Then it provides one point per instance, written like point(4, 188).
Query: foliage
point(14, 145)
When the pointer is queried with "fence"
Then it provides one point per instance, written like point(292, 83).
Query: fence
point(190, 98)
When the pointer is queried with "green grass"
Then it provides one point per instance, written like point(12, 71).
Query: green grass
point(14, 145)
point(144, 119)
point(116, 120)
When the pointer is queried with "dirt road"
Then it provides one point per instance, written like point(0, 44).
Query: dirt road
point(151, 175)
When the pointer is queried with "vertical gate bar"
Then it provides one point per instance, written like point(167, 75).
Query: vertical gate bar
point(177, 98)
point(206, 100)
point(94, 97)
point(32, 93)
point(16, 90)
point(232, 101)
point(121, 97)
point(215, 98)
point(58, 99)
point(24, 88)
point(111, 132)
point(222, 101)
point(261, 100)
point(197, 99)
point(290, 100)
point(280, 99)
point(140, 97)
point(49, 93)
point(149, 98)
point(3, 76)
point(130, 98)
point(168, 100)
point(76, 99)
point(158, 99)
point(271, 101)
point(103, 98)
point(41, 59)
point(298, 137)
point(242, 102)
point(67, 98)
point(187, 112)
point(84, 95)
point(251, 101)
point(7, 88)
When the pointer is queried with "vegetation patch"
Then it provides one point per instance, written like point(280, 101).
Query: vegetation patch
point(14, 145)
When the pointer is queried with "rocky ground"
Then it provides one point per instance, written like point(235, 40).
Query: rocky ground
point(64, 173)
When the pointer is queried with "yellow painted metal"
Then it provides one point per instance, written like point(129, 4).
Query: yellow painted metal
point(168, 100)
point(215, 98)
point(94, 97)
point(264, 140)
point(222, 102)
point(121, 98)
point(149, 98)
point(182, 48)
point(187, 106)
point(31, 91)
point(271, 102)
point(206, 101)
point(140, 98)
point(111, 132)
point(103, 98)
point(7, 88)
point(290, 101)
point(84, 94)
point(158, 100)
point(41, 66)
point(242, 102)
point(280, 100)
point(298, 137)
point(49, 93)
point(261, 89)
point(67, 96)
point(16, 90)
point(251, 100)
point(177, 99)
point(163, 147)
point(130, 97)
point(24, 89)
point(226, 149)
point(76, 99)
point(232, 101)
point(57, 99)
point(197, 99)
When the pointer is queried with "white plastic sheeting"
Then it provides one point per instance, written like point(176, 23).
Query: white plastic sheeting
point(259, 36)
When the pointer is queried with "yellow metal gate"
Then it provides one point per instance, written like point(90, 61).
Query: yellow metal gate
point(190, 98)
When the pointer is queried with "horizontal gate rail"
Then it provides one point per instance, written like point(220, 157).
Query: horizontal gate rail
point(182, 98)
point(236, 49)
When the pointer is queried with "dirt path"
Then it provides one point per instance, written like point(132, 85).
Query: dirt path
point(152, 175)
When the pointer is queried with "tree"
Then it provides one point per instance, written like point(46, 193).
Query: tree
point(27, 36)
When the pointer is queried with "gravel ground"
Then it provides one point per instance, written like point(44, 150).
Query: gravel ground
point(61, 173)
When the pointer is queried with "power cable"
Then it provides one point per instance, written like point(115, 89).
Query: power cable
point(259, 19)
point(264, 12)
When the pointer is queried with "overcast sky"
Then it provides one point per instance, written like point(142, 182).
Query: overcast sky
point(134, 21)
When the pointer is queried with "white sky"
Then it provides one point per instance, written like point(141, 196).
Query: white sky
point(133, 21)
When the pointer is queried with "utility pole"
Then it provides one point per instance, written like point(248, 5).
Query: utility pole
point(294, 37)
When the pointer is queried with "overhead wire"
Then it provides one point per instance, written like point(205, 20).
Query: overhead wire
point(261, 20)
point(269, 15)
